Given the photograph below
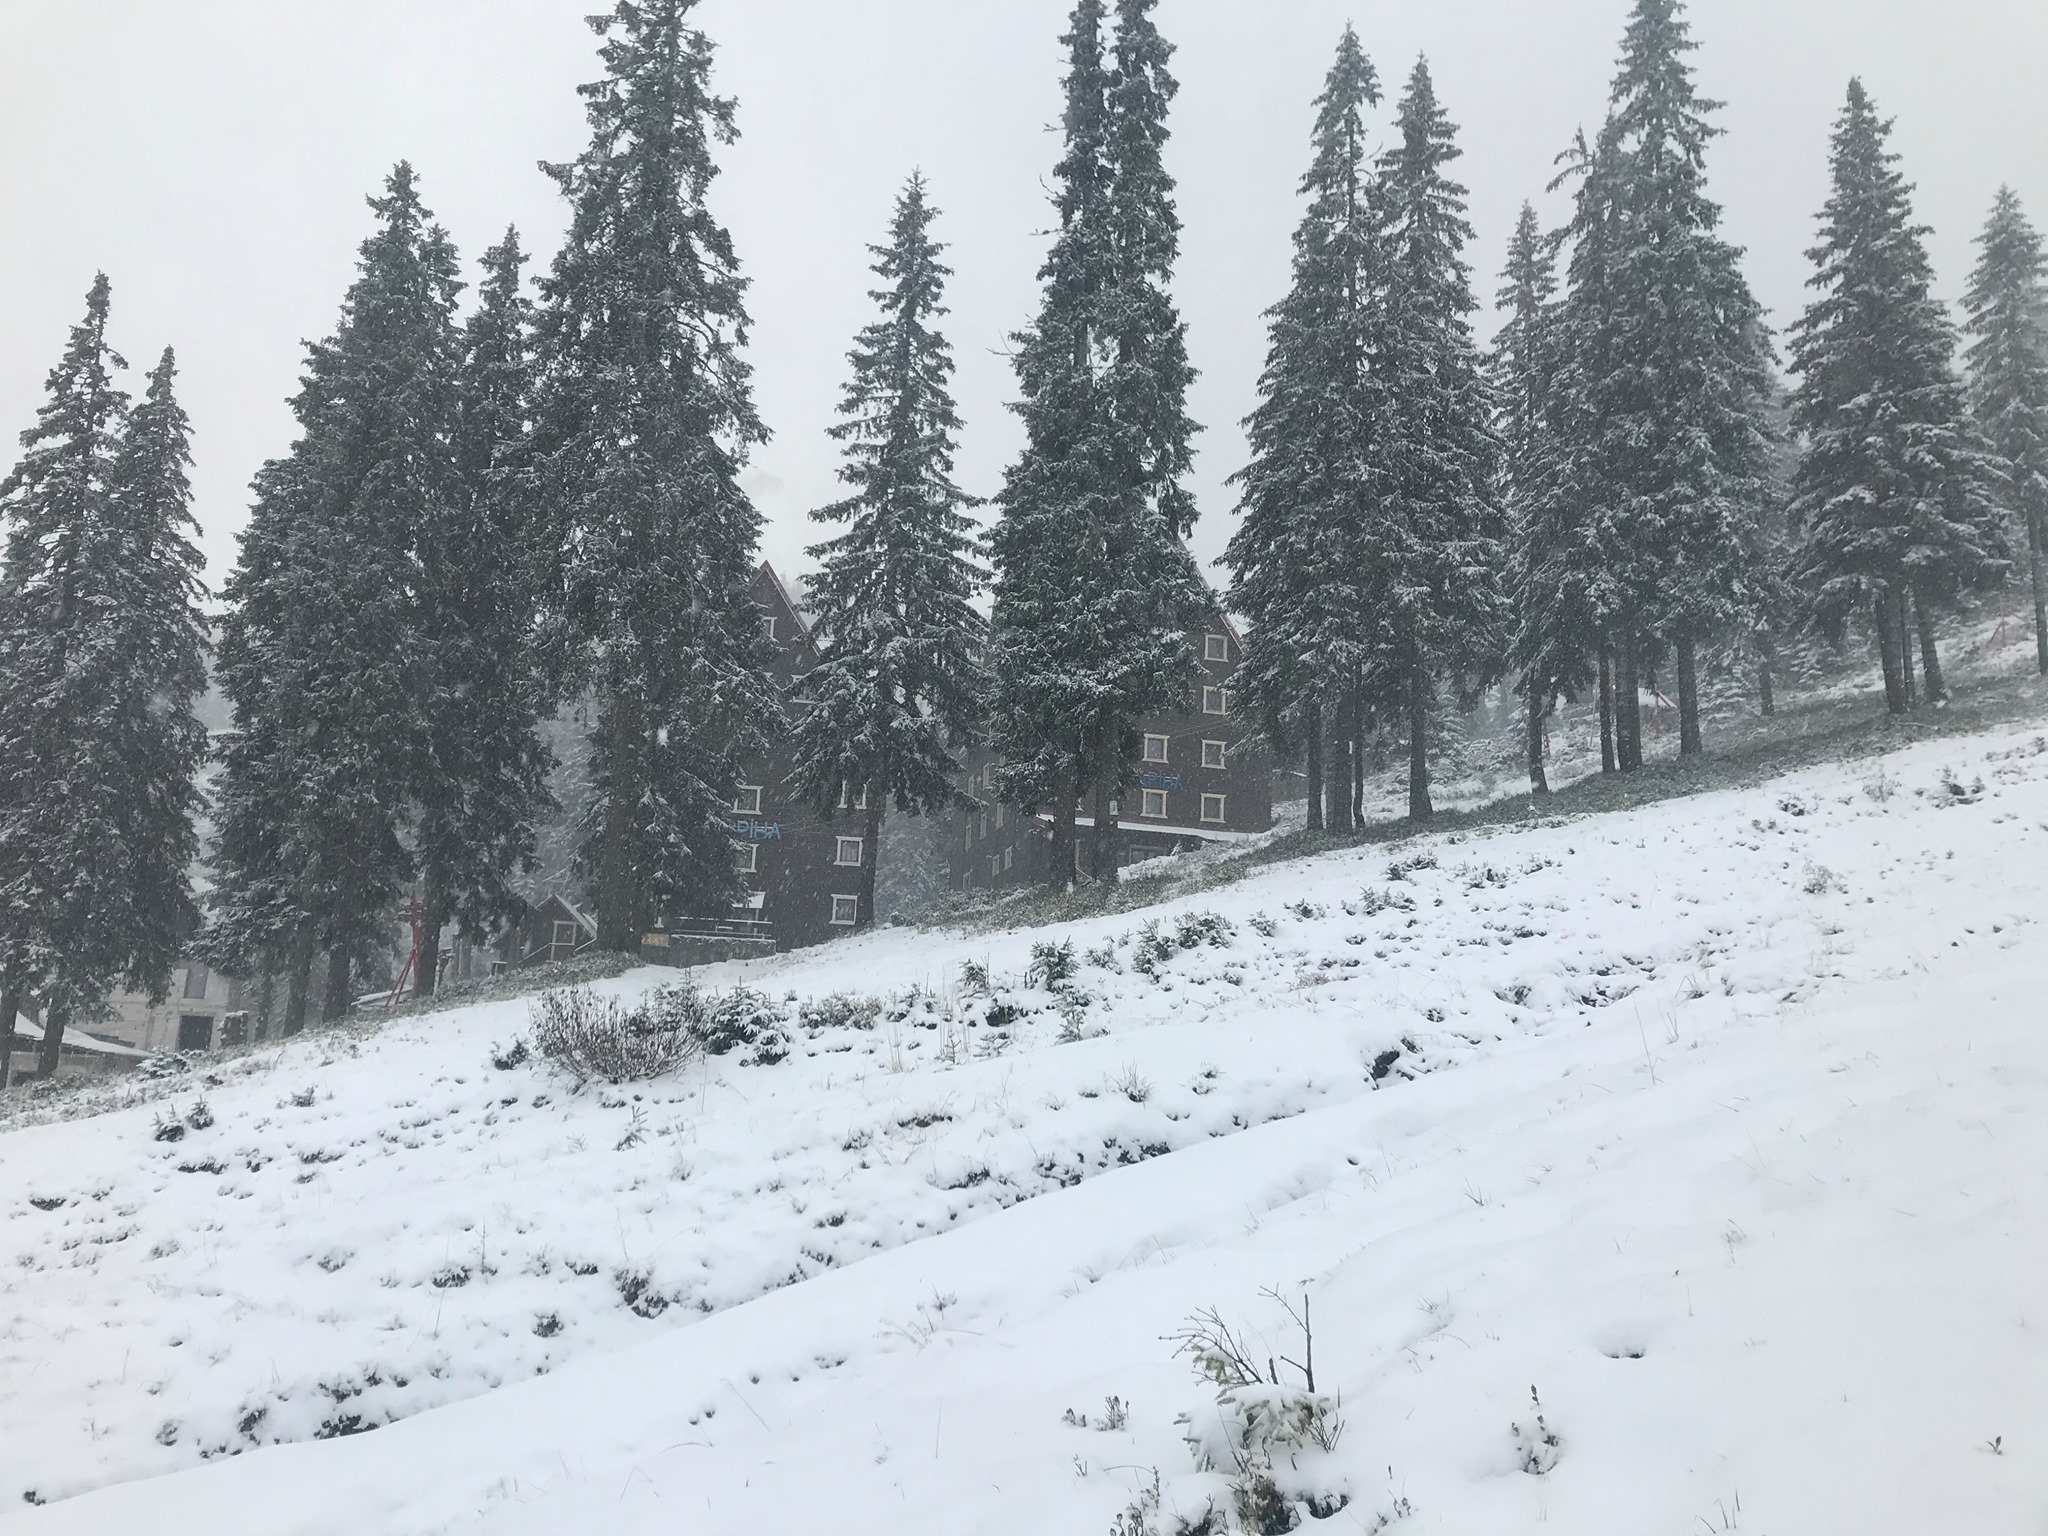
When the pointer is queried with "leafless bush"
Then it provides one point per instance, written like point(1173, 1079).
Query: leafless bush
point(597, 1037)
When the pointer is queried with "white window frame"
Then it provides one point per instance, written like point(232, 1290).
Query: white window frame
point(1163, 743)
point(562, 939)
point(741, 803)
point(840, 845)
point(752, 901)
point(1219, 757)
point(1215, 647)
point(849, 801)
point(849, 906)
point(1153, 798)
point(746, 858)
point(1009, 858)
point(195, 974)
point(768, 623)
point(1222, 814)
point(999, 815)
point(988, 775)
point(1215, 701)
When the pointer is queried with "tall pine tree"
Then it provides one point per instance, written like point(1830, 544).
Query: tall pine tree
point(100, 660)
point(645, 417)
point(1669, 369)
point(1894, 498)
point(481, 776)
point(2007, 306)
point(897, 684)
point(1093, 588)
point(321, 653)
point(1295, 577)
point(1432, 541)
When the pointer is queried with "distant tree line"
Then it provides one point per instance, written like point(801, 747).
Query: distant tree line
point(484, 517)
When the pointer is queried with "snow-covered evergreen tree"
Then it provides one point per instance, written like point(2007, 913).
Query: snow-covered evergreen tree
point(1093, 588)
point(481, 777)
point(1432, 540)
point(1295, 578)
point(644, 420)
point(321, 652)
point(1667, 365)
point(1895, 496)
point(1555, 631)
point(2007, 306)
point(100, 659)
point(897, 684)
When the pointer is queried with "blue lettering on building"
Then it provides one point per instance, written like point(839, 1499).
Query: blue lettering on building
point(758, 831)
point(1161, 781)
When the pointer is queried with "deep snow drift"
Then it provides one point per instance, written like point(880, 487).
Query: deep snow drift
point(1715, 1126)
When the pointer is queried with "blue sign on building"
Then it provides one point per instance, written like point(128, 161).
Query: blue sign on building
point(758, 831)
point(1161, 781)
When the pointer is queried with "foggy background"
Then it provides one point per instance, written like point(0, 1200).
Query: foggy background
point(213, 156)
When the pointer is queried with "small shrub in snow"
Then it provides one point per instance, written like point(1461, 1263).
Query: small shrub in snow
point(1402, 869)
point(156, 1068)
point(841, 1010)
point(303, 1099)
point(169, 1128)
point(547, 1324)
point(601, 1038)
point(200, 1116)
point(1053, 963)
point(1195, 929)
point(1304, 909)
point(1955, 792)
point(723, 1022)
point(1103, 956)
point(1537, 1444)
point(1132, 1085)
point(973, 978)
point(507, 1057)
point(637, 1291)
point(1819, 881)
point(1263, 925)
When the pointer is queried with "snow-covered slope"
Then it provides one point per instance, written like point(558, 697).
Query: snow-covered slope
point(1716, 1125)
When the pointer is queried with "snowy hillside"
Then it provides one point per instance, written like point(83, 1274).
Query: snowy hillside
point(1715, 1126)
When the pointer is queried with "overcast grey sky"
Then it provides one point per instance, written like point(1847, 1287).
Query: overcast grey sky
point(213, 155)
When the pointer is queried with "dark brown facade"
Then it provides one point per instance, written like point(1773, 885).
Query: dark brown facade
point(802, 870)
point(1202, 779)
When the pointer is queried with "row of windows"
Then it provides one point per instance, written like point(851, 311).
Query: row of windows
point(1154, 805)
point(746, 799)
point(847, 852)
point(1215, 754)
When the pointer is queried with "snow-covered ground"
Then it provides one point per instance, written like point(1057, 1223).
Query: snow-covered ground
point(1716, 1126)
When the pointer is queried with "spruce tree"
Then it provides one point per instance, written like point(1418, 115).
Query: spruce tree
point(1894, 498)
point(1668, 368)
point(1432, 540)
point(897, 684)
point(321, 653)
point(481, 777)
point(1293, 575)
point(100, 660)
point(644, 420)
point(1555, 629)
point(2007, 306)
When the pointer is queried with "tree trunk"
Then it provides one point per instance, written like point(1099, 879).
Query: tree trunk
point(299, 988)
point(1107, 752)
point(1883, 616)
point(1930, 655)
point(1539, 781)
point(1767, 658)
point(1059, 873)
point(2037, 564)
point(1689, 742)
point(1312, 724)
point(433, 918)
point(870, 858)
point(1419, 808)
point(618, 882)
point(55, 1017)
point(336, 1003)
point(1358, 760)
point(10, 1007)
point(1607, 761)
point(1628, 690)
point(1337, 788)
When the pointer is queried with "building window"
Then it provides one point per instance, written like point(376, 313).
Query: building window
point(999, 816)
point(565, 935)
point(845, 911)
point(747, 800)
point(1215, 754)
point(1155, 803)
point(848, 852)
point(1215, 702)
point(1215, 648)
point(234, 1029)
point(195, 1032)
point(848, 800)
point(746, 857)
point(753, 901)
point(1212, 809)
point(1155, 749)
point(988, 775)
point(768, 624)
point(1009, 858)
point(995, 865)
point(195, 982)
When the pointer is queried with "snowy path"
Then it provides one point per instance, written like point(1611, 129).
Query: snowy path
point(1732, 1151)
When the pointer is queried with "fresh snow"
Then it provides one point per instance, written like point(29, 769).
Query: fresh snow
point(1717, 1125)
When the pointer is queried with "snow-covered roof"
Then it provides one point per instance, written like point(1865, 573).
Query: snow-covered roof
point(27, 1029)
